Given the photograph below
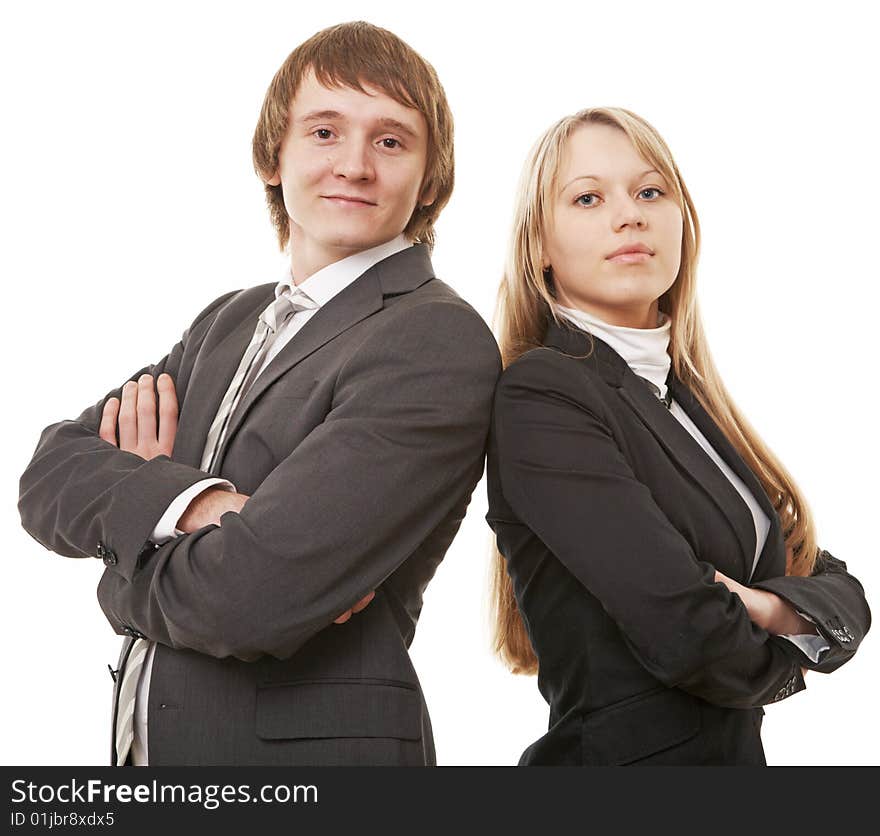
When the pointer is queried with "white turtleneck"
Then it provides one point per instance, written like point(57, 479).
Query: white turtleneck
point(645, 351)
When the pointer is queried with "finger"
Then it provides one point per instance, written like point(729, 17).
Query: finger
point(730, 583)
point(168, 411)
point(128, 417)
point(342, 618)
point(146, 412)
point(719, 578)
point(363, 602)
point(107, 430)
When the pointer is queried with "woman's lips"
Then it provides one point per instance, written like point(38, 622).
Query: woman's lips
point(631, 258)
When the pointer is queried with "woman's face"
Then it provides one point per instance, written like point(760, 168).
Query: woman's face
point(609, 199)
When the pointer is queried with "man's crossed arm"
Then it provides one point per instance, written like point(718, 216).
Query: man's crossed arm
point(139, 433)
point(389, 470)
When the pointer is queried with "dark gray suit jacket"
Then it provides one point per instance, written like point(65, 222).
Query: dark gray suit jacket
point(359, 445)
point(613, 521)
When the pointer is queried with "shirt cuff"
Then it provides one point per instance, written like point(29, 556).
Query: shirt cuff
point(812, 646)
point(166, 529)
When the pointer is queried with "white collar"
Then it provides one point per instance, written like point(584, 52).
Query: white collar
point(325, 283)
point(644, 349)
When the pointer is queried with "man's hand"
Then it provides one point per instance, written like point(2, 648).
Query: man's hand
point(356, 608)
point(137, 417)
point(768, 610)
point(208, 507)
point(138, 434)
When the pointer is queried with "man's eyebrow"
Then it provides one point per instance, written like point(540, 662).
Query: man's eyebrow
point(397, 125)
point(318, 115)
point(387, 122)
point(599, 179)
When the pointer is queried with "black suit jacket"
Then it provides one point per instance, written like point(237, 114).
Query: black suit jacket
point(613, 520)
point(359, 445)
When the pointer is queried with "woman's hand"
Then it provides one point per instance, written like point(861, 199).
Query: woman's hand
point(356, 608)
point(768, 610)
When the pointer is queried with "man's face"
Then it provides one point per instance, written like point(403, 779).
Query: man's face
point(351, 167)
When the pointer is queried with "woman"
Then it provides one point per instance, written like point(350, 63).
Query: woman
point(663, 560)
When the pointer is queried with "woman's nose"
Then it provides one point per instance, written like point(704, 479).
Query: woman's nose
point(629, 213)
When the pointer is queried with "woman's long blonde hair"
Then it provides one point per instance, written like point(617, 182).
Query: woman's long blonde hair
point(526, 303)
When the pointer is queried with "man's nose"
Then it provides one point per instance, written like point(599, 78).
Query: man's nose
point(353, 159)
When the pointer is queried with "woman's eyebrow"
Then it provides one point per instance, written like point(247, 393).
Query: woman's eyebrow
point(599, 179)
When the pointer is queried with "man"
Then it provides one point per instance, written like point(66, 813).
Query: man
point(315, 443)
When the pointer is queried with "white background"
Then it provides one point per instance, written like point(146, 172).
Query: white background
point(129, 201)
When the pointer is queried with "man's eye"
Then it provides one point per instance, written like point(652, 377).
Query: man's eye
point(390, 142)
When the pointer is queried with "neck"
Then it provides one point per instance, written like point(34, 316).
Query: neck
point(645, 350)
point(306, 258)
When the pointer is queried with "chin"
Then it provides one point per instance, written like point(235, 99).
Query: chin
point(634, 289)
point(353, 242)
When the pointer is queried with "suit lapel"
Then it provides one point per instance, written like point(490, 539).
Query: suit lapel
point(214, 371)
point(399, 273)
point(684, 449)
point(768, 560)
point(678, 443)
point(718, 440)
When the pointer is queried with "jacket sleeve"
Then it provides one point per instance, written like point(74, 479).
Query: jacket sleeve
point(834, 601)
point(564, 476)
point(79, 491)
point(401, 447)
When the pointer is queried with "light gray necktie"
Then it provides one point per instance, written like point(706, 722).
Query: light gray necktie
point(269, 324)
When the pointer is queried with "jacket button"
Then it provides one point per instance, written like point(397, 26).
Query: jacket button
point(148, 549)
point(107, 555)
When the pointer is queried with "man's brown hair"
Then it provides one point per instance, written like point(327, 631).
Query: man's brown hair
point(349, 55)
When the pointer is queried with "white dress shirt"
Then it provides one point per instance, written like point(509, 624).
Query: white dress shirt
point(646, 353)
point(320, 287)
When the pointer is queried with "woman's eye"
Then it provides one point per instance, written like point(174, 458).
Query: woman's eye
point(323, 133)
point(587, 199)
point(651, 193)
point(390, 142)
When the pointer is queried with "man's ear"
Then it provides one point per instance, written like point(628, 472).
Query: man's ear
point(428, 196)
